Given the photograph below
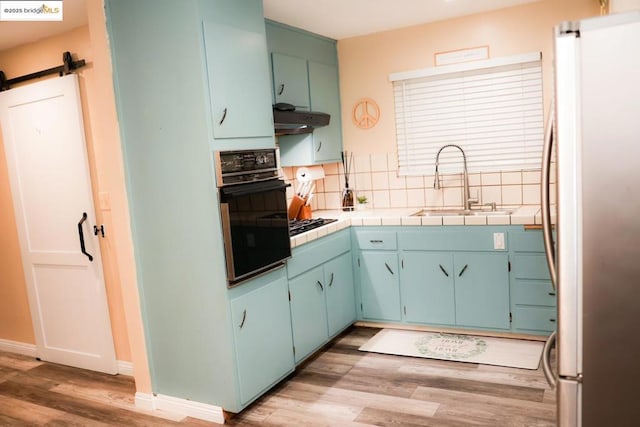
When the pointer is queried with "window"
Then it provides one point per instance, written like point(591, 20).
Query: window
point(492, 109)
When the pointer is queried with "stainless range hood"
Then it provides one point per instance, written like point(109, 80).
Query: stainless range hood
point(288, 121)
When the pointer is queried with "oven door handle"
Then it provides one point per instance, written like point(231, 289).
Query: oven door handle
point(245, 189)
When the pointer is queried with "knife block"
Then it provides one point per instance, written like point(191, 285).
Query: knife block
point(305, 212)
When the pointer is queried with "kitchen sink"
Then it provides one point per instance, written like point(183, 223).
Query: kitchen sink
point(461, 212)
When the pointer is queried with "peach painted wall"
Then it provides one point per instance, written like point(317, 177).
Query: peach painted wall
point(107, 173)
point(367, 61)
point(15, 318)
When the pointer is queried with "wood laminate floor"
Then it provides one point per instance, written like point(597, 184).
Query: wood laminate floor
point(340, 386)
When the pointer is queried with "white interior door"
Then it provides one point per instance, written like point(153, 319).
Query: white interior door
point(43, 137)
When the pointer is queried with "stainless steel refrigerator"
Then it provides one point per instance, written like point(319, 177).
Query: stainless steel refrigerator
point(596, 138)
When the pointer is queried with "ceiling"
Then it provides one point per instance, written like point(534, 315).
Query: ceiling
point(339, 19)
point(336, 19)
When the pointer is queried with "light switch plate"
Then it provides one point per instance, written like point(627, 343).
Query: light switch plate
point(498, 240)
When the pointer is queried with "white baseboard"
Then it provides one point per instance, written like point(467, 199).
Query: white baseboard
point(175, 405)
point(18, 347)
point(125, 368)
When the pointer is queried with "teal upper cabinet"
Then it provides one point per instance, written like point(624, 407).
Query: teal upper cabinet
point(290, 80)
point(238, 72)
point(305, 74)
point(327, 140)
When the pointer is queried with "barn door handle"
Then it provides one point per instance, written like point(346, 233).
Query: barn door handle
point(81, 236)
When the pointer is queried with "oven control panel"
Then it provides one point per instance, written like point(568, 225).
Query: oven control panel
point(241, 166)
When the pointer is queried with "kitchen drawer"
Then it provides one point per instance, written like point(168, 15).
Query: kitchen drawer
point(531, 266)
point(533, 292)
point(376, 240)
point(317, 252)
point(526, 241)
point(450, 240)
point(541, 319)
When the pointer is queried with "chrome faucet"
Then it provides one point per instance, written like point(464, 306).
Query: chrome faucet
point(468, 201)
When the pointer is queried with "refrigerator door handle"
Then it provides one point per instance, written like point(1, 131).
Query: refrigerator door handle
point(547, 234)
point(546, 360)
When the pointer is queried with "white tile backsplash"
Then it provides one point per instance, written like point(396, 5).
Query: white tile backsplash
point(511, 194)
point(452, 196)
point(511, 178)
point(490, 178)
point(531, 194)
point(381, 199)
point(415, 197)
point(415, 182)
point(375, 176)
point(362, 163)
point(379, 163)
point(380, 180)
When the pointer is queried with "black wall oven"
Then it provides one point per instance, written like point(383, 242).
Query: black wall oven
point(253, 206)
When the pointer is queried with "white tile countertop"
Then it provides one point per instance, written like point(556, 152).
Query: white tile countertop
point(521, 215)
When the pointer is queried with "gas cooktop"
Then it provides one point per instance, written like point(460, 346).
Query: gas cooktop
point(297, 226)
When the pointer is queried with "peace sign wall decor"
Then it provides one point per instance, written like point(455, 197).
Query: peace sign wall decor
point(366, 113)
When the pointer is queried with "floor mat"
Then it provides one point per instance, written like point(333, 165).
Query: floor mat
point(509, 352)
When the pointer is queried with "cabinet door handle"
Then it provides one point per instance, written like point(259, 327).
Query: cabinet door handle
point(331, 280)
point(443, 270)
point(388, 268)
point(224, 116)
point(320, 284)
point(375, 241)
point(553, 294)
point(319, 146)
point(463, 270)
point(552, 320)
point(281, 89)
point(244, 317)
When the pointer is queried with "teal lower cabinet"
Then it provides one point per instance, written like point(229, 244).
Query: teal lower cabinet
point(377, 273)
point(454, 276)
point(427, 288)
point(321, 292)
point(533, 298)
point(262, 334)
point(341, 302)
point(462, 289)
point(308, 312)
point(380, 285)
point(482, 290)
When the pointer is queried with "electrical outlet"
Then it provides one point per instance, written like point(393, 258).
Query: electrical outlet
point(498, 240)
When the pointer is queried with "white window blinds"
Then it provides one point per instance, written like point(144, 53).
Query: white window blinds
point(492, 109)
